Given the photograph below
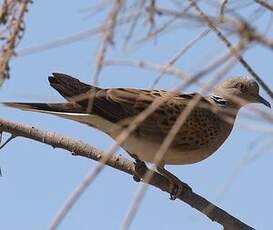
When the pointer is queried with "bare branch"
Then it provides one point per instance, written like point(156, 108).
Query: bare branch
point(79, 148)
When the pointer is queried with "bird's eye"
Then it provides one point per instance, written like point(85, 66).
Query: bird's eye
point(240, 86)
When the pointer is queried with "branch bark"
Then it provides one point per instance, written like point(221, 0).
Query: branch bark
point(79, 148)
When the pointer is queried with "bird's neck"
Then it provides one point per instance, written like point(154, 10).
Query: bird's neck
point(225, 106)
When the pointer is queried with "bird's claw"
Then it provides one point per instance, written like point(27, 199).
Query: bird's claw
point(140, 168)
point(177, 188)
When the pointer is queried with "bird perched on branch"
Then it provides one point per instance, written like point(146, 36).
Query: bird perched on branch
point(112, 110)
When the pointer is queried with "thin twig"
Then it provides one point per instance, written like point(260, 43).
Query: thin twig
point(265, 4)
point(70, 39)
point(179, 55)
point(133, 25)
point(7, 141)
point(222, 10)
point(106, 40)
point(151, 66)
point(218, 62)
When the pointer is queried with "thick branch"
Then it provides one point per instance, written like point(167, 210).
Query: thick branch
point(79, 148)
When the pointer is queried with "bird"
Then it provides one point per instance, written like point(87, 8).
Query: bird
point(112, 110)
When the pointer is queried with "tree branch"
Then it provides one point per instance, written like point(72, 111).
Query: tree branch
point(118, 162)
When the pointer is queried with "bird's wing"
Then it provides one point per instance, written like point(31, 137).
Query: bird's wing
point(118, 103)
point(127, 103)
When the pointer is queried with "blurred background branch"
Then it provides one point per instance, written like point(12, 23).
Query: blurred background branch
point(12, 26)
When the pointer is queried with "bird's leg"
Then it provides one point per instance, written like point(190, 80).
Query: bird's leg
point(176, 185)
point(140, 168)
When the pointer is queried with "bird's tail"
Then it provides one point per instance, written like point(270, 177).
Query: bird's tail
point(69, 111)
point(45, 107)
point(65, 110)
point(69, 87)
point(76, 109)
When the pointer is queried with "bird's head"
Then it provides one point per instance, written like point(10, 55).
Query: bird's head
point(240, 91)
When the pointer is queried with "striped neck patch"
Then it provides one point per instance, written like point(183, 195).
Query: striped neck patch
point(219, 100)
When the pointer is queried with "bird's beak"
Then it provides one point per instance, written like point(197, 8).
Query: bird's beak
point(263, 101)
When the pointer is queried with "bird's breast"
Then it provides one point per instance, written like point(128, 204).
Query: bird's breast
point(185, 149)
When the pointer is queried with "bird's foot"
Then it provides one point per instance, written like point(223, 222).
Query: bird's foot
point(141, 169)
point(177, 187)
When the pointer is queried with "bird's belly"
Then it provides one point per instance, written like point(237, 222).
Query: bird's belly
point(146, 151)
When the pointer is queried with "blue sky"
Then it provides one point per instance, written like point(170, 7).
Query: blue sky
point(37, 179)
